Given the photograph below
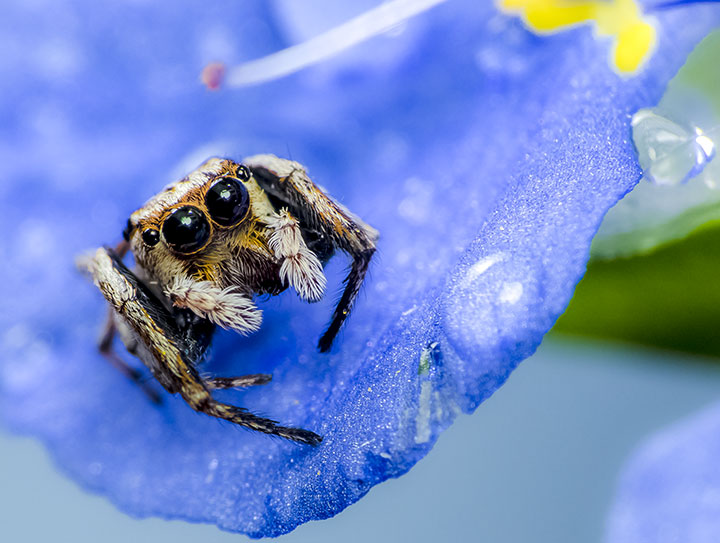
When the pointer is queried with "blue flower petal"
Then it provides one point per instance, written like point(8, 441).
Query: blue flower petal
point(670, 488)
point(485, 155)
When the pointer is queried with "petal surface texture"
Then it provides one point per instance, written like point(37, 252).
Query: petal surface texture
point(485, 155)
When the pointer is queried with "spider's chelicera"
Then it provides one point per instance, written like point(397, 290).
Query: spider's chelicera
point(203, 248)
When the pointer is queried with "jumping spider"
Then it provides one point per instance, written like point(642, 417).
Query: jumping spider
point(202, 248)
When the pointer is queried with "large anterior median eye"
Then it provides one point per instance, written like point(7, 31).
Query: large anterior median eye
point(186, 230)
point(227, 201)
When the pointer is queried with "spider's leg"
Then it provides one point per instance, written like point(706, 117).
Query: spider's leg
point(196, 393)
point(106, 349)
point(170, 343)
point(149, 330)
point(245, 418)
point(254, 379)
point(353, 282)
point(331, 223)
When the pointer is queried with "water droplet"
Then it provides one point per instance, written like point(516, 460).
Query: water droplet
point(670, 153)
point(675, 143)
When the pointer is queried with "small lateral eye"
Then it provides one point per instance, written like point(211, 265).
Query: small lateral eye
point(186, 230)
point(150, 237)
point(227, 201)
point(128, 229)
point(243, 173)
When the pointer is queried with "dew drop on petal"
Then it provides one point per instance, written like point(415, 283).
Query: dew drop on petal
point(675, 141)
point(670, 153)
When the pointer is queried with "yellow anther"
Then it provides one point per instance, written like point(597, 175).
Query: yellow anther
point(632, 46)
point(634, 36)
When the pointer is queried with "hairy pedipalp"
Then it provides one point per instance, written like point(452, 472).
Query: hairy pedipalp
point(300, 267)
point(226, 307)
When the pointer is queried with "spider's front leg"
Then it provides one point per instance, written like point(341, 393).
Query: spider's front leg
point(171, 343)
point(106, 349)
point(353, 282)
point(145, 325)
point(329, 223)
point(254, 379)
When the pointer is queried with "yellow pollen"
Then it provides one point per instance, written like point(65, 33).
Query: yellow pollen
point(633, 35)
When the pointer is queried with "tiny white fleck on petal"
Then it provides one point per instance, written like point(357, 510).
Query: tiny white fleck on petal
point(511, 292)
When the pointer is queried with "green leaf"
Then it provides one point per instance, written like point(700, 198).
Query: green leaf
point(668, 298)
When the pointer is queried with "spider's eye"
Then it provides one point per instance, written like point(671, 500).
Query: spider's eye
point(243, 173)
point(150, 237)
point(128, 229)
point(228, 201)
point(186, 230)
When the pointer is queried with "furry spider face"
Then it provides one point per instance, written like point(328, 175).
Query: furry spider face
point(204, 246)
point(213, 226)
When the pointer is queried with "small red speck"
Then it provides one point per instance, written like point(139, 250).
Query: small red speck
point(213, 75)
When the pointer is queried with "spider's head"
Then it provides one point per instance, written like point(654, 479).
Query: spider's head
point(197, 220)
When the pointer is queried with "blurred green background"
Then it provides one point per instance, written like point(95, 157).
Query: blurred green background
point(669, 298)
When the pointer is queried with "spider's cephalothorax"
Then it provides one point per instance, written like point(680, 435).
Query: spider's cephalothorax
point(203, 247)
